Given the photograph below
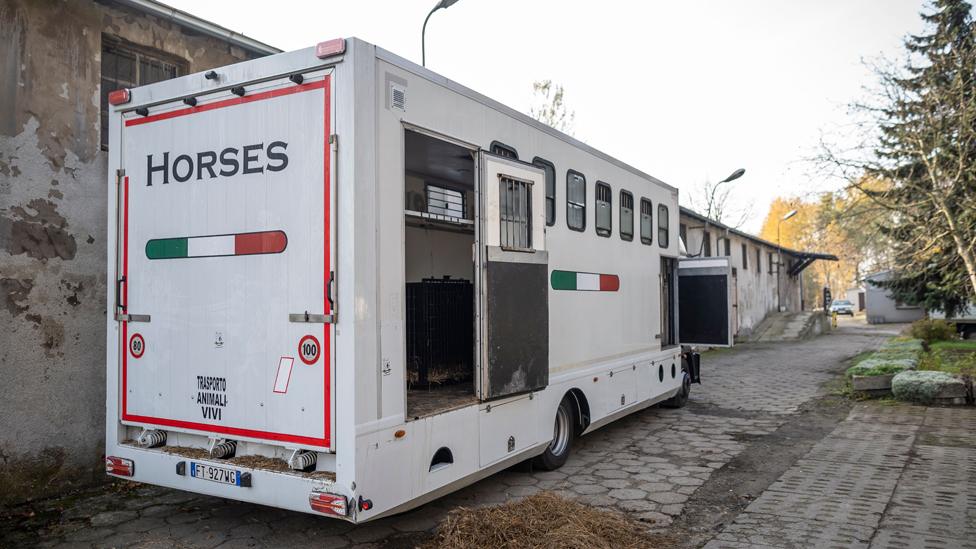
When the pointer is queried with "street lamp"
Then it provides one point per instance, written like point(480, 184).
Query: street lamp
point(711, 201)
point(733, 176)
point(423, 48)
point(779, 259)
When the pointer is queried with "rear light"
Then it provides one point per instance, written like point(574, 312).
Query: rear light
point(120, 96)
point(330, 48)
point(120, 466)
point(329, 504)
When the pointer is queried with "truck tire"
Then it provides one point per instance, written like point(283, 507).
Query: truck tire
point(564, 431)
point(681, 397)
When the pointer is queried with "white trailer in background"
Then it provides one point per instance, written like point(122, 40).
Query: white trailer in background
point(347, 285)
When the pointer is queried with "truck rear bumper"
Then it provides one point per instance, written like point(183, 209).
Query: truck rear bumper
point(286, 490)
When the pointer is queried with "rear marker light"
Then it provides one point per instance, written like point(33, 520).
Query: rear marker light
point(330, 48)
point(239, 90)
point(329, 504)
point(120, 96)
point(191, 101)
point(142, 111)
point(120, 466)
point(296, 78)
point(365, 504)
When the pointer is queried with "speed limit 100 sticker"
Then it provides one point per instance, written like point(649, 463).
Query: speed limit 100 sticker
point(137, 345)
point(309, 350)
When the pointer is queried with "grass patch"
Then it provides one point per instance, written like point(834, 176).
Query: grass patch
point(959, 345)
point(950, 359)
point(542, 521)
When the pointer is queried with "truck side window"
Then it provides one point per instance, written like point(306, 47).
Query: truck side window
point(646, 222)
point(550, 172)
point(604, 210)
point(663, 227)
point(502, 149)
point(626, 216)
point(575, 200)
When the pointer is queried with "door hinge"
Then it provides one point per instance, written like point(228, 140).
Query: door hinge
point(124, 317)
point(312, 318)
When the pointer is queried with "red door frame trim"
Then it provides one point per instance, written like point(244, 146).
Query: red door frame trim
point(325, 441)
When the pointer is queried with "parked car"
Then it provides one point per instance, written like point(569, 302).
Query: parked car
point(842, 307)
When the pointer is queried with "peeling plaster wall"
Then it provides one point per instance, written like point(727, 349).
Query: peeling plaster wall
point(53, 180)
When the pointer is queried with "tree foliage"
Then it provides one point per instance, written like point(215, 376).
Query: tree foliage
point(925, 115)
point(549, 107)
point(845, 223)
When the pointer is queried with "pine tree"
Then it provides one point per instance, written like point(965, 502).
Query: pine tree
point(927, 151)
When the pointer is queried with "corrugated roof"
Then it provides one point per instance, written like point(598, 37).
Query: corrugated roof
point(203, 26)
point(798, 253)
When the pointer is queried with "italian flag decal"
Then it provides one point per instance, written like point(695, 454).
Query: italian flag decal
point(221, 245)
point(584, 282)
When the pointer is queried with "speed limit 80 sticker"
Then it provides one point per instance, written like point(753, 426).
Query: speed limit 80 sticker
point(309, 349)
point(137, 345)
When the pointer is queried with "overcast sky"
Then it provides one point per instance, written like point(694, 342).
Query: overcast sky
point(686, 91)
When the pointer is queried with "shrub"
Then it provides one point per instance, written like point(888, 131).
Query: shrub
point(906, 344)
point(933, 329)
point(878, 367)
point(920, 386)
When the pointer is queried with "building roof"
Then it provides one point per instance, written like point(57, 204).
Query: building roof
point(158, 9)
point(798, 253)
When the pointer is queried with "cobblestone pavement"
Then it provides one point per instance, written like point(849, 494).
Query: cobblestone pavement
point(647, 465)
point(890, 476)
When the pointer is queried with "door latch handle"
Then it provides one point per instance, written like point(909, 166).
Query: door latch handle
point(328, 290)
point(118, 294)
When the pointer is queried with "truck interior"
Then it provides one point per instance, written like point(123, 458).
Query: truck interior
point(439, 269)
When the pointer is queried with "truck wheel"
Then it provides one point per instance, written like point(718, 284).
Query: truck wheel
point(562, 439)
point(681, 398)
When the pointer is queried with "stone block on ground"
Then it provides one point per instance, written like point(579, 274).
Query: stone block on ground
point(927, 387)
point(873, 384)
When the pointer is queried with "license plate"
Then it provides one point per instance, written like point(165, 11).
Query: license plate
point(215, 474)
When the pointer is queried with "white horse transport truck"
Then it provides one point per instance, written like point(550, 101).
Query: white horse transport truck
point(346, 285)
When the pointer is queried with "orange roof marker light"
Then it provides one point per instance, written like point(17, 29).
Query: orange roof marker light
point(120, 96)
point(330, 48)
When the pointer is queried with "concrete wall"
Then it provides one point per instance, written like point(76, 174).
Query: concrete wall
point(53, 178)
point(880, 307)
point(756, 288)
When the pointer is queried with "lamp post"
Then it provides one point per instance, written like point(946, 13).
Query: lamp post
point(711, 200)
point(779, 259)
point(443, 4)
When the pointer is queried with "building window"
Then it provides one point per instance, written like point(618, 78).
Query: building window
point(604, 203)
point(446, 202)
point(745, 258)
point(706, 244)
point(663, 226)
point(550, 172)
point(502, 149)
point(683, 233)
point(129, 66)
point(769, 260)
point(575, 201)
point(646, 222)
point(626, 216)
point(515, 207)
point(728, 247)
point(758, 260)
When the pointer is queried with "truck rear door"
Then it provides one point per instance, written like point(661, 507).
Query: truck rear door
point(705, 302)
point(227, 239)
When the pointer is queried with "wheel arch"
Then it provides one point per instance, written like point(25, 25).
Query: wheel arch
point(581, 409)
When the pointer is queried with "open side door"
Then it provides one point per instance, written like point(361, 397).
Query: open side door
point(513, 290)
point(705, 302)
